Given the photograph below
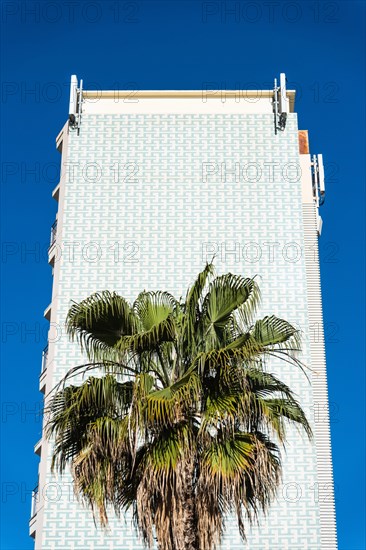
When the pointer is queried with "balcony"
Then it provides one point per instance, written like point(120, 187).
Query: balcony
point(44, 359)
point(47, 312)
point(34, 507)
point(59, 141)
point(34, 504)
point(34, 501)
point(56, 192)
point(43, 375)
point(38, 448)
point(53, 234)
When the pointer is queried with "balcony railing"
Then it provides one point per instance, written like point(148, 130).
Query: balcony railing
point(44, 359)
point(53, 233)
point(34, 501)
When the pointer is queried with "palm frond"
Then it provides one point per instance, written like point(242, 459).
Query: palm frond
point(73, 409)
point(192, 308)
point(227, 294)
point(98, 322)
point(241, 471)
point(195, 293)
point(165, 331)
point(272, 331)
point(154, 307)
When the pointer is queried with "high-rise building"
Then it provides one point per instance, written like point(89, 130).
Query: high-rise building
point(153, 184)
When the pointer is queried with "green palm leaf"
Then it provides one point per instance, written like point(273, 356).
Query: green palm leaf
point(152, 308)
point(227, 295)
point(160, 333)
point(271, 331)
point(98, 322)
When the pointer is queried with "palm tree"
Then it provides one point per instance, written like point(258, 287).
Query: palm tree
point(181, 420)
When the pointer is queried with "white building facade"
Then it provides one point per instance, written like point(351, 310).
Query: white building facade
point(153, 184)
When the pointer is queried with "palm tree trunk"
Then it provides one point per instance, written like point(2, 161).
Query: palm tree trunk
point(188, 539)
point(173, 546)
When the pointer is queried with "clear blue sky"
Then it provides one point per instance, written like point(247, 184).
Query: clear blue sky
point(178, 45)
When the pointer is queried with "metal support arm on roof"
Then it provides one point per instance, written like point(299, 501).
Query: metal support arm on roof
point(280, 104)
point(76, 103)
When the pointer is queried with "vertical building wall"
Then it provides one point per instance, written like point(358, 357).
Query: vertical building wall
point(145, 200)
point(324, 494)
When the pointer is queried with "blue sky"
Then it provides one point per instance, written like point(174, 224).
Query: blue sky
point(178, 45)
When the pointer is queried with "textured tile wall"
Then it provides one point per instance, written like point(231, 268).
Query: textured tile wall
point(151, 227)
